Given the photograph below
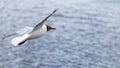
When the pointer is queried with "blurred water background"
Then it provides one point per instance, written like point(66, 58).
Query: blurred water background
point(87, 35)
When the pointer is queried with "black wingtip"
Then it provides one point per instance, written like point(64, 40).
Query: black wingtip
point(55, 10)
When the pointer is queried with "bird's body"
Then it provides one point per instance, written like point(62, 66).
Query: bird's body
point(33, 35)
point(29, 33)
point(38, 33)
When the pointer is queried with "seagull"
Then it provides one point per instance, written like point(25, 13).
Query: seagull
point(29, 33)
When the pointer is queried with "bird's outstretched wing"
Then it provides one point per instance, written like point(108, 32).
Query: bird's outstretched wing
point(25, 30)
point(39, 25)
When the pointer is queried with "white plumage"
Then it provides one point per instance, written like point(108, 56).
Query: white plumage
point(15, 41)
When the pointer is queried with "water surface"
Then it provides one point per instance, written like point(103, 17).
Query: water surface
point(87, 35)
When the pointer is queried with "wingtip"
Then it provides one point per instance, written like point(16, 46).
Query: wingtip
point(55, 10)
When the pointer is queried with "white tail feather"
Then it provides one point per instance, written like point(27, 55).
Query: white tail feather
point(15, 41)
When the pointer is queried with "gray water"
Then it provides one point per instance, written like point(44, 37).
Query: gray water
point(87, 35)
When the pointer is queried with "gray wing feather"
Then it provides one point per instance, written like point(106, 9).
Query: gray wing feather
point(25, 30)
point(9, 35)
point(39, 25)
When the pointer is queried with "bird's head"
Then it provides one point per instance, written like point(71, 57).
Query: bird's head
point(50, 28)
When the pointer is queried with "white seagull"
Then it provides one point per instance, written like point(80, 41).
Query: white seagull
point(28, 33)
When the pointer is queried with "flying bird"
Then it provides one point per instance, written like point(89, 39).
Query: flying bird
point(29, 33)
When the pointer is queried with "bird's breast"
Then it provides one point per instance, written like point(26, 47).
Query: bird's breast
point(38, 33)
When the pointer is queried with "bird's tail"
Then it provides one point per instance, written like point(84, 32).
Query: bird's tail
point(19, 40)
